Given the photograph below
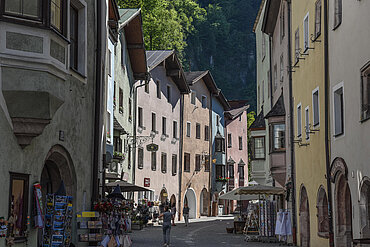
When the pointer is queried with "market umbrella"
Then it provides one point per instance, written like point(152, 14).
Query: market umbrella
point(259, 190)
point(231, 195)
point(126, 186)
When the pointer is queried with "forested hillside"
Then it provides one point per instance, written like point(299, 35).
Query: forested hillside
point(211, 35)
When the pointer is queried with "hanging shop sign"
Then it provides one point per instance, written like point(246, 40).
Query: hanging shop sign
point(152, 147)
point(146, 182)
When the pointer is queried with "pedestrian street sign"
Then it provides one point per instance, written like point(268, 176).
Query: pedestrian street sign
point(152, 147)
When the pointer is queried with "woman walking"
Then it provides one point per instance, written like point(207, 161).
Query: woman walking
point(167, 217)
point(185, 212)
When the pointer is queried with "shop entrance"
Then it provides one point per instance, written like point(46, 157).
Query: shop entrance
point(164, 196)
point(191, 200)
point(204, 202)
point(304, 219)
point(173, 201)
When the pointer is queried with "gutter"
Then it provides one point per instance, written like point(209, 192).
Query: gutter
point(291, 112)
point(327, 144)
point(181, 144)
point(270, 79)
point(210, 136)
point(98, 100)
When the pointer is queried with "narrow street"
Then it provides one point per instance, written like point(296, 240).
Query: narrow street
point(205, 234)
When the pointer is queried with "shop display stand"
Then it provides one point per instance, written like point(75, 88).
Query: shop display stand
point(90, 221)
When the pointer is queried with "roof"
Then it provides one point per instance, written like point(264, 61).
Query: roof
point(270, 17)
point(193, 77)
point(278, 109)
point(259, 122)
point(134, 41)
point(172, 65)
point(237, 108)
point(258, 15)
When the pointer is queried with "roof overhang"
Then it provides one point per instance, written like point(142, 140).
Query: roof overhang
point(208, 80)
point(270, 16)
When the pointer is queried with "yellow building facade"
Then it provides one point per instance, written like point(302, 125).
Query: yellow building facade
point(308, 93)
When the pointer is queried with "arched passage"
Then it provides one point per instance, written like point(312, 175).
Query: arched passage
point(173, 201)
point(191, 201)
point(163, 196)
point(204, 202)
point(343, 212)
point(304, 218)
point(365, 207)
point(322, 213)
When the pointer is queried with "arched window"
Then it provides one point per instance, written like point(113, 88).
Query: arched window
point(365, 208)
point(322, 213)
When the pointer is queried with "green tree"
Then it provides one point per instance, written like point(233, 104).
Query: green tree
point(250, 119)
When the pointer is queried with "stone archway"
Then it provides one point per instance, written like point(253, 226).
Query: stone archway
point(173, 201)
point(322, 213)
point(191, 200)
point(304, 218)
point(364, 207)
point(204, 202)
point(163, 196)
point(343, 212)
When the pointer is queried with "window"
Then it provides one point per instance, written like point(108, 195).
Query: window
point(120, 100)
point(258, 94)
point(186, 162)
point(275, 77)
point(188, 128)
point(306, 33)
point(282, 23)
point(114, 94)
point(268, 84)
point(18, 202)
point(109, 62)
point(231, 171)
point(140, 116)
point(278, 137)
point(193, 96)
point(154, 160)
point(129, 156)
point(229, 144)
point(219, 144)
point(297, 49)
point(317, 18)
point(197, 162)
point(204, 101)
point(129, 109)
point(206, 133)
point(337, 13)
point(74, 37)
point(281, 68)
point(117, 144)
point(140, 158)
point(164, 126)
point(154, 122)
point(123, 52)
point(197, 131)
point(164, 162)
point(263, 91)
point(169, 94)
point(365, 92)
point(299, 120)
point(240, 143)
point(338, 111)
point(263, 46)
point(307, 125)
point(174, 164)
point(315, 107)
point(258, 148)
point(24, 8)
point(220, 171)
point(158, 85)
point(241, 172)
point(146, 87)
point(207, 163)
point(217, 120)
point(109, 133)
point(174, 130)
point(56, 14)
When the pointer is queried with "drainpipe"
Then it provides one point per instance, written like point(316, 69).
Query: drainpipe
point(210, 155)
point(98, 100)
point(327, 144)
point(291, 112)
point(270, 62)
point(181, 143)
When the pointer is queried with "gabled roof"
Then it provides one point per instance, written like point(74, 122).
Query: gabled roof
point(237, 108)
point(258, 15)
point(172, 65)
point(193, 77)
point(132, 25)
point(270, 17)
point(259, 122)
point(278, 109)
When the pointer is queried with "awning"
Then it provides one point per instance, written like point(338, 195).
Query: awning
point(260, 190)
point(126, 186)
point(232, 196)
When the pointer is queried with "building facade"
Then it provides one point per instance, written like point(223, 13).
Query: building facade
point(349, 93)
point(158, 121)
point(195, 179)
point(309, 118)
point(47, 107)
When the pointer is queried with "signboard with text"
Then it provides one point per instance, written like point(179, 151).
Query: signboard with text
point(146, 182)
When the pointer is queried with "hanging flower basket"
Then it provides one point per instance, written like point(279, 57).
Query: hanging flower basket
point(222, 179)
point(118, 156)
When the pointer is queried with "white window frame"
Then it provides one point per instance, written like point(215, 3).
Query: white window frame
point(306, 33)
point(318, 107)
point(188, 134)
point(299, 123)
point(336, 88)
point(307, 122)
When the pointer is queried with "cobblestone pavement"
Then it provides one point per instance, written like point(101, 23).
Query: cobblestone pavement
point(201, 234)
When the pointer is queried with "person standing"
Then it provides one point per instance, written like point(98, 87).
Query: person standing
point(185, 212)
point(173, 211)
point(166, 226)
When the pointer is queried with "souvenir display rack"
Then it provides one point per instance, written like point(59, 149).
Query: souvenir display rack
point(91, 222)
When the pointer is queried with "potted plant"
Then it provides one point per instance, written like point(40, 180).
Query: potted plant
point(118, 156)
point(222, 179)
